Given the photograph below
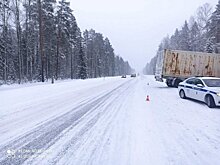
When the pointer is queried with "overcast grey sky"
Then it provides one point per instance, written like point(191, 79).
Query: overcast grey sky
point(135, 27)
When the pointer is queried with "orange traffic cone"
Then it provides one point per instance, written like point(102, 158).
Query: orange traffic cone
point(148, 98)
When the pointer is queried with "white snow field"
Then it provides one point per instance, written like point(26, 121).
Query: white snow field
point(106, 121)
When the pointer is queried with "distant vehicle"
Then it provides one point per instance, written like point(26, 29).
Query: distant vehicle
point(133, 75)
point(176, 66)
point(123, 76)
point(205, 89)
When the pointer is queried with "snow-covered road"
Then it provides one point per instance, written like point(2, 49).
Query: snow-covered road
point(106, 121)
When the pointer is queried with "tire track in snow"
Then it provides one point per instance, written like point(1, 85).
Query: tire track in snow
point(88, 139)
point(100, 142)
point(46, 135)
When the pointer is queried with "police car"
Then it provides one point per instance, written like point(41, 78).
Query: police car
point(205, 89)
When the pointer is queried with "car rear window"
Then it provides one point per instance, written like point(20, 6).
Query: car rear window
point(212, 82)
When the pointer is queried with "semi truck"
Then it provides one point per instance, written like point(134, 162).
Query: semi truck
point(174, 66)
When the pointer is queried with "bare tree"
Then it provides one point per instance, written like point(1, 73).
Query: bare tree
point(203, 14)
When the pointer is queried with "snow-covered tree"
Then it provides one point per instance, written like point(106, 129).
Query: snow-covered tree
point(175, 40)
point(209, 46)
point(40, 39)
point(109, 58)
point(214, 28)
point(82, 70)
point(5, 12)
point(203, 34)
point(195, 37)
point(66, 29)
point(49, 31)
point(185, 37)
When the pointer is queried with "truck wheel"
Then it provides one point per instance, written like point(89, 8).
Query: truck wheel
point(169, 82)
point(176, 82)
point(182, 94)
point(210, 101)
point(169, 85)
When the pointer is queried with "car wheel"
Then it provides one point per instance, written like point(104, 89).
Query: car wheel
point(210, 101)
point(182, 94)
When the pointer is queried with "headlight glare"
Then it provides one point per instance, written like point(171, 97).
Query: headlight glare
point(218, 94)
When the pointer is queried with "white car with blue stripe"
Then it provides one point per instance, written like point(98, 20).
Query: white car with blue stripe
point(205, 89)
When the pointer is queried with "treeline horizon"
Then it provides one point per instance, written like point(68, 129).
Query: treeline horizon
point(201, 33)
point(40, 40)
